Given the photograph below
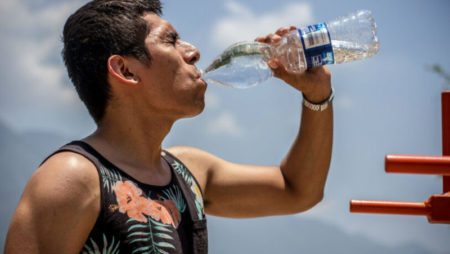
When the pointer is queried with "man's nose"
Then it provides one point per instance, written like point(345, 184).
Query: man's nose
point(191, 53)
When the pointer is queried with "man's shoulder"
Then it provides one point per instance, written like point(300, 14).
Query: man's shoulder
point(199, 162)
point(184, 151)
point(192, 156)
point(63, 191)
point(65, 176)
point(68, 164)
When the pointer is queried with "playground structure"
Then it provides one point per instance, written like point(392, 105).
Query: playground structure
point(436, 207)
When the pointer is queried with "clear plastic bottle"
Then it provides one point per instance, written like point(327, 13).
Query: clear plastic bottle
point(345, 39)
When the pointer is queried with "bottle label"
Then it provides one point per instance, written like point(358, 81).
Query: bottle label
point(317, 45)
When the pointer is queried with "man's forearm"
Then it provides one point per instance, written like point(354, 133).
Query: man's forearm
point(305, 167)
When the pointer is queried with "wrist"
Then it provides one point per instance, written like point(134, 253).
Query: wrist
point(321, 105)
point(318, 96)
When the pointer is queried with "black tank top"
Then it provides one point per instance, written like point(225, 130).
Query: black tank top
point(141, 218)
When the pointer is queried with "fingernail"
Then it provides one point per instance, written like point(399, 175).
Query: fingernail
point(273, 64)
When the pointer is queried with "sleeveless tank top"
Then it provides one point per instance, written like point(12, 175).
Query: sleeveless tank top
point(139, 218)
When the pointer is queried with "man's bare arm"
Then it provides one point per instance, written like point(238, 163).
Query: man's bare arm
point(239, 191)
point(297, 184)
point(58, 208)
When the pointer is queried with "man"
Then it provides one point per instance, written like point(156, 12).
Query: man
point(117, 190)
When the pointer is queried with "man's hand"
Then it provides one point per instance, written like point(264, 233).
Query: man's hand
point(315, 83)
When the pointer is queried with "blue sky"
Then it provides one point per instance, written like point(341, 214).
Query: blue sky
point(386, 104)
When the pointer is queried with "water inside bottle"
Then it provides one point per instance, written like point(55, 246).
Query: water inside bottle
point(242, 65)
point(345, 51)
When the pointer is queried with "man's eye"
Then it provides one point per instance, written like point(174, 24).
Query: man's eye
point(173, 37)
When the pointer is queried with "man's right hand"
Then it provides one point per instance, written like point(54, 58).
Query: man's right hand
point(314, 83)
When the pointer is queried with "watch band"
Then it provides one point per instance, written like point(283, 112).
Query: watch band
point(319, 106)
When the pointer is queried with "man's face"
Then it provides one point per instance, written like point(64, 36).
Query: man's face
point(172, 83)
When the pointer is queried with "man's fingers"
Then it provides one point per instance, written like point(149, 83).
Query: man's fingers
point(275, 37)
point(280, 71)
point(284, 30)
point(260, 39)
point(271, 38)
point(277, 68)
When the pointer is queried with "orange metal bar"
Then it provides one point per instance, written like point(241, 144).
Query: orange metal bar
point(437, 207)
point(414, 164)
point(389, 207)
point(445, 101)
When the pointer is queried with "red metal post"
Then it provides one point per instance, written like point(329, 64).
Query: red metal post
point(417, 164)
point(389, 207)
point(436, 208)
point(445, 100)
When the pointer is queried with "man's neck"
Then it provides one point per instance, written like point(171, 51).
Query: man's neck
point(134, 145)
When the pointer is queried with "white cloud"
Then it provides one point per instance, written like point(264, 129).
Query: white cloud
point(212, 101)
point(226, 124)
point(242, 24)
point(34, 79)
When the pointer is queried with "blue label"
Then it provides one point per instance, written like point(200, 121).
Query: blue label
point(316, 42)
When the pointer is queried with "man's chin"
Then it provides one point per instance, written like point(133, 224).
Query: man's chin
point(198, 110)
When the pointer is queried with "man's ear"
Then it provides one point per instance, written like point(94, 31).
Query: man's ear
point(120, 68)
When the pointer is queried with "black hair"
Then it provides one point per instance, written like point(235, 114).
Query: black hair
point(96, 31)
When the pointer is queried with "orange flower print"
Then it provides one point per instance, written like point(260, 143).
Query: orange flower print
point(169, 213)
point(130, 201)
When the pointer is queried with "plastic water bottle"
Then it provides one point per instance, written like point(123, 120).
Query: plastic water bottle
point(346, 39)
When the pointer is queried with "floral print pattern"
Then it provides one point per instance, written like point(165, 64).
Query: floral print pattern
point(131, 202)
point(141, 219)
point(189, 178)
